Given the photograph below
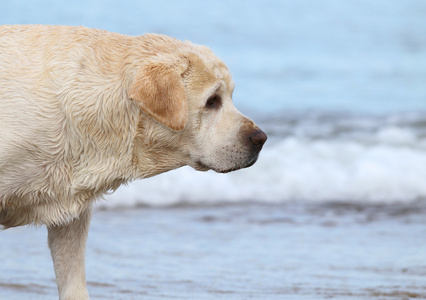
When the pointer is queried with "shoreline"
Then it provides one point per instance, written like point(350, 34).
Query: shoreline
point(239, 251)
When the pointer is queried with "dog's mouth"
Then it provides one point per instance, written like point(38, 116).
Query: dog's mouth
point(250, 162)
point(200, 166)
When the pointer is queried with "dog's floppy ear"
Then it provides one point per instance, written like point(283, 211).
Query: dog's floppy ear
point(159, 90)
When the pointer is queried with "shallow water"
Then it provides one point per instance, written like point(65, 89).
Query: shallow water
point(247, 251)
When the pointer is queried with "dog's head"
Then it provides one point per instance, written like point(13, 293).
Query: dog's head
point(187, 93)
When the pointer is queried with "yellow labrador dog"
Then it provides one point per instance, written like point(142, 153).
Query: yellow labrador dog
point(83, 111)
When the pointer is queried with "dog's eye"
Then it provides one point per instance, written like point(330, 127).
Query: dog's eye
point(214, 102)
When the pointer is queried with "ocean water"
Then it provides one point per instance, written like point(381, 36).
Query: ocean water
point(235, 252)
point(334, 207)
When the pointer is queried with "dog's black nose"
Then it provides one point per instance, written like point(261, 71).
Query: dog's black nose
point(258, 138)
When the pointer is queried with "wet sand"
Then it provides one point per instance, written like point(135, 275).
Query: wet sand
point(245, 251)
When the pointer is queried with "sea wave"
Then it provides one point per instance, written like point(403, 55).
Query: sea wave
point(364, 159)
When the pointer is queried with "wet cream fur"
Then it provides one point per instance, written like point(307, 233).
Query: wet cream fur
point(83, 111)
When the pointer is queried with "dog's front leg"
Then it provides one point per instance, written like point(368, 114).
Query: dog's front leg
point(67, 244)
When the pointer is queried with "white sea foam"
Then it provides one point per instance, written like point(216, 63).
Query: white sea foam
point(386, 165)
